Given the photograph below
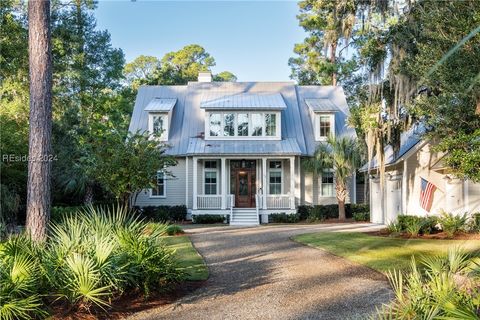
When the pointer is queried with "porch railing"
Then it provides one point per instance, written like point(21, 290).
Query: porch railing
point(207, 201)
point(278, 201)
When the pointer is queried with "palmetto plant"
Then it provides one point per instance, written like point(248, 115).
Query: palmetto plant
point(89, 258)
point(444, 287)
point(340, 154)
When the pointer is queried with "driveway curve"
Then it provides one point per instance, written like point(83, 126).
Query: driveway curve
point(260, 273)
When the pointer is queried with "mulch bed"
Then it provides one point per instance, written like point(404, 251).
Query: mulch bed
point(126, 305)
point(433, 236)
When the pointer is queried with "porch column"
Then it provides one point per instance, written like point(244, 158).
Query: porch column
point(195, 163)
point(264, 182)
point(292, 182)
point(186, 182)
point(223, 169)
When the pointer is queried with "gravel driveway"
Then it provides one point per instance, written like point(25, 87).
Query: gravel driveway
point(259, 273)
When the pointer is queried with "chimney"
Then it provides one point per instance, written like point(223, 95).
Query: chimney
point(204, 76)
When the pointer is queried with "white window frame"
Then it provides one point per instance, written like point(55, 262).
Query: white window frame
point(317, 125)
point(205, 170)
point(164, 136)
point(221, 136)
point(164, 187)
point(320, 184)
point(281, 176)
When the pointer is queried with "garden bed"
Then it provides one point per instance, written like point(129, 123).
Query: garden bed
point(434, 236)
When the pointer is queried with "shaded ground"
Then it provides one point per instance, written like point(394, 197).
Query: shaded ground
point(259, 273)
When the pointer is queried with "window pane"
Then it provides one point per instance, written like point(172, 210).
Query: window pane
point(157, 125)
point(257, 124)
point(275, 182)
point(242, 119)
point(229, 127)
point(275, 189)
point(275, 164)
point(215, 124)
point(325, 125)
point(270, 124)
point(159, 190)
point(210, 164)
point(327, 188)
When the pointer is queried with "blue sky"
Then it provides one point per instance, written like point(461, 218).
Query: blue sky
point(252, 39)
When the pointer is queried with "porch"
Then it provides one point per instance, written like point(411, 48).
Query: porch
point(259, 185)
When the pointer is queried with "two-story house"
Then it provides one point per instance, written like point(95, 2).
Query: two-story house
point(239, 145)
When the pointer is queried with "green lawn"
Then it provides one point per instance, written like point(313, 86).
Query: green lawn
point(381, 253)
point(189, 257)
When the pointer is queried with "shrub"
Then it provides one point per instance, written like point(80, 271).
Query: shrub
point(89, 258)
point(451, 224)
point(303, 212)
point(163, 213)
point(57, 214)
point(352, 208)
point(411, 224)
point(174, 229)
point(475, 222)
point(361, 216)
point(429, 225)
point(208, 218)
point(283, 218)
point(444, 289)
point(394, 227)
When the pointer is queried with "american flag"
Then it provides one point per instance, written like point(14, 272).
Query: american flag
point(426, 194)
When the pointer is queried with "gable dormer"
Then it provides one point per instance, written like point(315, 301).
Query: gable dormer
point(243, 116)
point(322, 113)
point(160, 116)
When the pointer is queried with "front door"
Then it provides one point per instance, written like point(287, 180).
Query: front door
point(243, 183)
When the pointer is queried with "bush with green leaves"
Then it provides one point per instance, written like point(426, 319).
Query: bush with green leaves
point(163, 213)
point(415, 225)
point(394, 227)
point(89, 258)
point(283, 218)
point(475, 222)
point(451, 223)
point(444, 287)
point(174, 229)
point(208, 218)
point(361, 216)
point(330, 211)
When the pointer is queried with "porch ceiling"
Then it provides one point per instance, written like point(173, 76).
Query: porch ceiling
point(198, 146)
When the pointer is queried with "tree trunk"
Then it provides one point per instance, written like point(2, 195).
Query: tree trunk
point(341, 197)
point(39, 151)
point(333, 52)
point(88, 198)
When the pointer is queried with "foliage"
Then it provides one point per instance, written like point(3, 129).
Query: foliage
point(58, 214)
point(176, 67)
point(163, 213)
point(415, 225)
point(330, 211)
point(451, 223)
point(340, 154)
point(303, 211)
point(174, 229)
point(444, 288)
point(208, 218)
point(283, 218)
point(361, 216)
point(127, 166)
point(89, 258)
point(475, 222)
point(394, 227)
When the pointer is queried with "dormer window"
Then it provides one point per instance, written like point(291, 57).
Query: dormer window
point(158, 126)
point(325, 126)
point(244, 125)
point(159, 116)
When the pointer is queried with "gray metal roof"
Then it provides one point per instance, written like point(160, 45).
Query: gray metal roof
point(161, 104)
point(198, 146)
point(408, 140)
point(188, 118)
point(321, 105)
point(243, 101)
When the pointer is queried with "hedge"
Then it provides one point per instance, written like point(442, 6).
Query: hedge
point(283, 218)
point(209, 218)
point(163, 213)
point(330, 211)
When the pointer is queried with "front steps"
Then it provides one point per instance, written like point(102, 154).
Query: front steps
point(244, 217)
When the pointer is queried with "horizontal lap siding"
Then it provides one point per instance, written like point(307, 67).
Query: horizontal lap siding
point(175, 189)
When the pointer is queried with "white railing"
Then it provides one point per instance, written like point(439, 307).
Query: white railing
point(278, 201)
point(230, 201)
point(207, 201)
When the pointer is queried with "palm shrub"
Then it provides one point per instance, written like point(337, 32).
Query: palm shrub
point(451, 224)
point(19, 280)
point(340, 154)
point(445, 287)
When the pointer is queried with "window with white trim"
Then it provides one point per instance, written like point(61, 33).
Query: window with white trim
point(325, 126)
point(160, 188)
point(210, 177)
point(247, 125)
point(158, 125)
point(327, 183)
point(275, 177)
